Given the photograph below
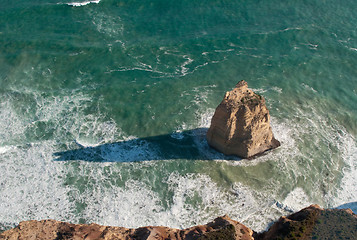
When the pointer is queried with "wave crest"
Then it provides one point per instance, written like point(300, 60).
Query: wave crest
point(79, 4)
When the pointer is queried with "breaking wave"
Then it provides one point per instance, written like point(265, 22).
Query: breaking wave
point(84, 3)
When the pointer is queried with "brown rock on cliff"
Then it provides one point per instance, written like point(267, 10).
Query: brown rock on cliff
point(241, 124)
point(313, 222)
point(220, 228)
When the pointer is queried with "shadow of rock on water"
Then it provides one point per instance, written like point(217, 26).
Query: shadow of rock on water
point(190, 144)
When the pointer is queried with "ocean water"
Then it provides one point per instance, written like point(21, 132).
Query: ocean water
point(104, 106)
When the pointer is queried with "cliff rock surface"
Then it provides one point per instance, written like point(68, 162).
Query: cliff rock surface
point(312, 222)
point(220, 228)
point(241, 124)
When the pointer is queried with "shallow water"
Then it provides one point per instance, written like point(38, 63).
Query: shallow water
point(105, 104)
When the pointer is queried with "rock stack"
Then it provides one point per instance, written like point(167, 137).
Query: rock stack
point(241, 124)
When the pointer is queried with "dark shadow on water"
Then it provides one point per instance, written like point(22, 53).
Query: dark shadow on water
point(190, 144)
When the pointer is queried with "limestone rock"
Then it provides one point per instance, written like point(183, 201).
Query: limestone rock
point(220, 228)
point(241, 124)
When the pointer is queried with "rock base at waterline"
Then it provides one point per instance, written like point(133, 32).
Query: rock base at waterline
point(241, 124)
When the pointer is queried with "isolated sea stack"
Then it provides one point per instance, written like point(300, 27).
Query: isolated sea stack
point(241, 124)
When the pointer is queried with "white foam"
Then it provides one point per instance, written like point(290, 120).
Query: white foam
point(5, 149)
point(184, 69)
point(331, 150)
point(297, 200)
point(177, 134)
point(109, 25)
point(277, 89)
point(11, 127)
point(205, 118)
point(308, 87)
point(348, 190)
point(135, 150)
point(79, 4)
point(31, 187)
point(196, 199)
point(32, 184)
point(37, 187)
point(166, 62)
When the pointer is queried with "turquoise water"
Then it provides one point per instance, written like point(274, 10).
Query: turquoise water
point(105, 105)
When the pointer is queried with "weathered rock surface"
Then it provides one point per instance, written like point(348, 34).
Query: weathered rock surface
point(241, 124)
point(220, 228)
point(312, 222)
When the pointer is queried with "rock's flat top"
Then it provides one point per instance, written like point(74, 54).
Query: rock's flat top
point(241, 124)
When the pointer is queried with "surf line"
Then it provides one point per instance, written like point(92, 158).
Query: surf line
point(78, 4)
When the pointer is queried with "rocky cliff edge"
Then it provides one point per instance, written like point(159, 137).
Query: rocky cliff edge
point(312, 222)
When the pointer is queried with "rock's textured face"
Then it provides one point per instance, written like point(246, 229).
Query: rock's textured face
point(241, 124)
point(313, 222)
point(220, 228)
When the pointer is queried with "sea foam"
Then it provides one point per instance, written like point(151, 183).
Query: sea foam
point(301, 174)
point(32, 183)
point(134, 194)
point(79, 4)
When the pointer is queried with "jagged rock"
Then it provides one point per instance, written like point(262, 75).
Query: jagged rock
point(220, 228)
point(313, 222)
point(241, 124)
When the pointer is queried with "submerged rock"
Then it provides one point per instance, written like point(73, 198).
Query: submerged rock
point(241, 124)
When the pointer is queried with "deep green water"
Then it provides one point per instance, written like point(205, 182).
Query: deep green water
point(104, 109)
